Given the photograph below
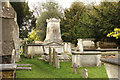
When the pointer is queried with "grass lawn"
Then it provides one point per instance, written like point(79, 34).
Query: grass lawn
point(41, 69)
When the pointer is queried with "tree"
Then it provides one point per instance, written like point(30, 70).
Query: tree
point(25, 18)
point(103, 19)
point(70, 23)
point(33, 36)
point(115, 34)
point(50, 9)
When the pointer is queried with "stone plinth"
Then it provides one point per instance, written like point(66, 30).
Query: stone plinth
point(86, 59)
point(112, 66)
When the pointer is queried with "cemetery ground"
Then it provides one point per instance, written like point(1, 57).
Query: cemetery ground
point(41, 69)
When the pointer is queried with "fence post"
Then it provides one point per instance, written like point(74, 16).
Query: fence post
point(50, 59)
point(57, 60)
point(75, 68)
point(53, 56)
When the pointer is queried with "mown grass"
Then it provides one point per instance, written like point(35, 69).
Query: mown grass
point(41, 69)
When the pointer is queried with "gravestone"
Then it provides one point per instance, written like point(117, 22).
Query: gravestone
point(84, 73)
point(57, 63)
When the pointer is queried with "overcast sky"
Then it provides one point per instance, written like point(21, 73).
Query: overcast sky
point(63, 3)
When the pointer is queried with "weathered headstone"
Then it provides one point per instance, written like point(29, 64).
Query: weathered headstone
point(50, 57)
point(57, 60)
point(84, 73)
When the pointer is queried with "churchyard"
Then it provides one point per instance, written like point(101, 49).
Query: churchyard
point(41, 69)
point(57, 51)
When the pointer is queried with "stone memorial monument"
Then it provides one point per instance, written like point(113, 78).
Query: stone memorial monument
point(9, 40)
point(53, 33)
point(53, 36)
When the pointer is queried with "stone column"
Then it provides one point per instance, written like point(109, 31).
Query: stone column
point(50, 59)
point(80, 45)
